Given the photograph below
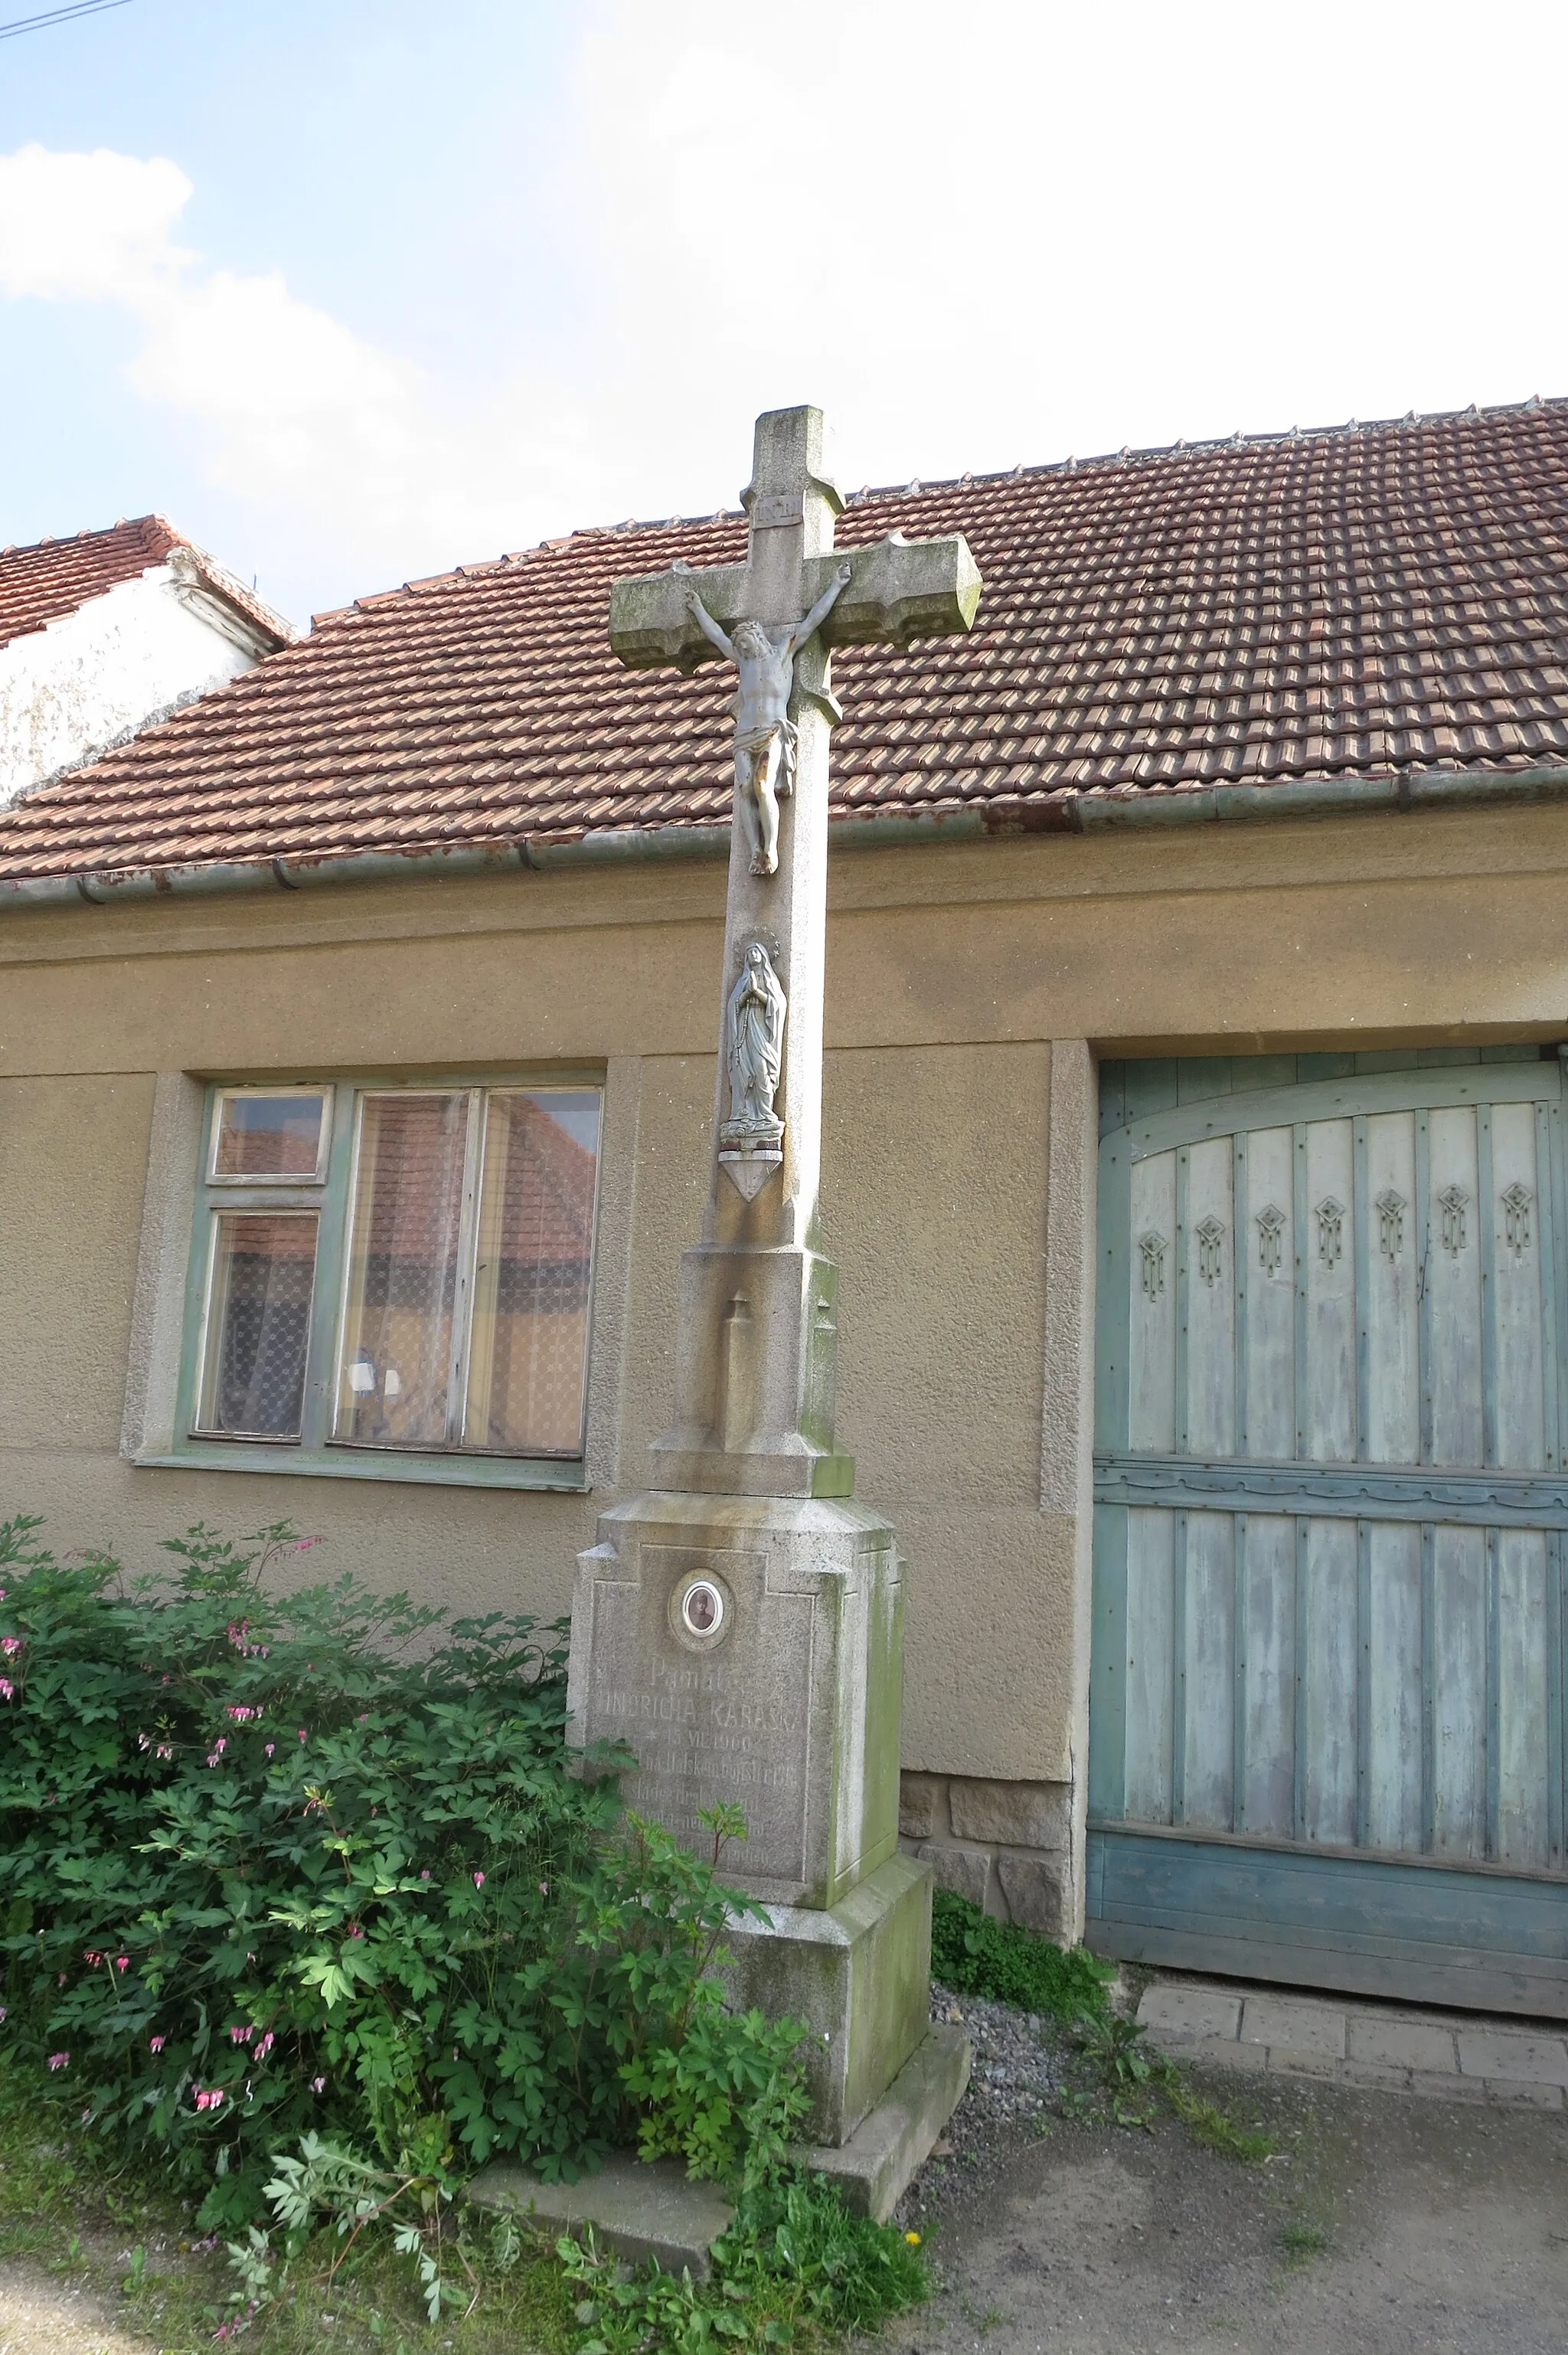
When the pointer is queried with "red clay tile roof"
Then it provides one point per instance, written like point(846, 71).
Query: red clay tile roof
point(45, 582)
point(1360, 602)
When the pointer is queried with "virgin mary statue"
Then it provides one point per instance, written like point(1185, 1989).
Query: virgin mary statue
point(755, 1050)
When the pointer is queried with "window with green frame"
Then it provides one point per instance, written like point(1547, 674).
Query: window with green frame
point(393, 1278)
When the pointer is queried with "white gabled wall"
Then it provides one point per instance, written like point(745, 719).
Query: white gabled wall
point(89, 680)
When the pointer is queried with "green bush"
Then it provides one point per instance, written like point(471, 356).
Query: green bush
point(279, 1865)
point(974, 1954)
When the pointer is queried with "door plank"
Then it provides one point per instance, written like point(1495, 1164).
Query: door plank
point(1150, 1565)
point(1522, 1830)
point(1269, 1372)
point(1269, 1792)
point(1393, 1254)
point(1331, 1419)
point(1517, 1326)
point(1454, 1284)
point(1208, 1732)
point(1460, 1695)
point(1152, 1420)
point(1393, 1736)
point(1332, 1680)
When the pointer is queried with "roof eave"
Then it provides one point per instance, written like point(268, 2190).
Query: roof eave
point(1087, 813)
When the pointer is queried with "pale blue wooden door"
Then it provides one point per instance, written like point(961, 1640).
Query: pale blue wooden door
point(1326, 1731)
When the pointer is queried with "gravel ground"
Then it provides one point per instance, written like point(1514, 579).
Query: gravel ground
point(1020, 2062)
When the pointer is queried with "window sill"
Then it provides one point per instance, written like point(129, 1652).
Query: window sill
point(351, 1463)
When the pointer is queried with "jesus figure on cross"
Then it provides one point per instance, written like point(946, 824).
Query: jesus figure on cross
point(764, 733)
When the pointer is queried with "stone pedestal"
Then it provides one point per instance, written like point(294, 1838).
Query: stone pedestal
point(860, 1972)
point(781, 1693)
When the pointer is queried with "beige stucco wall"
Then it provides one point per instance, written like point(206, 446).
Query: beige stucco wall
point(951, 969)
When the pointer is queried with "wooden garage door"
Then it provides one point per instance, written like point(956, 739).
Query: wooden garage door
point(1326, 1731)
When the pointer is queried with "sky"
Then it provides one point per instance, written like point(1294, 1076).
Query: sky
point(354, 291)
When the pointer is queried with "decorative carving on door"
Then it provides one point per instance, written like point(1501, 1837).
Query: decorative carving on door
point(1330, 1216)
point(1517, 1200)
point(1270, 1229)
point(1211, 1237)
point(1390, 1209)
point(1454, 1202)
point(1152, 1248)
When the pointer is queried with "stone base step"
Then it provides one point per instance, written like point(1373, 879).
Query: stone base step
point(887, 2149)
point(638, 2208)
point(642, 2209)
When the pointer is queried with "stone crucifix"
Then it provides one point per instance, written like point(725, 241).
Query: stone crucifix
point(755, 1323)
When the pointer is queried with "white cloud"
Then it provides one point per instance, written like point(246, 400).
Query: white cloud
point(88, 227)
point(976, 237)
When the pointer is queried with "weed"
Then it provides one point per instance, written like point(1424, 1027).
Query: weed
point(1123, 2068)
point(1300, 2240)
point(974, 1954)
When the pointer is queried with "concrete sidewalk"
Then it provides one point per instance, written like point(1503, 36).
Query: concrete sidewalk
point(1453, 2055)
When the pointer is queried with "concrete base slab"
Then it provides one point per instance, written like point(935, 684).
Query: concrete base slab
point(639, 2209)
point(888, 2148)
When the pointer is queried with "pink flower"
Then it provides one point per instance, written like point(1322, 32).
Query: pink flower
point(265, 2046)
point(10, 1646)
point(60, 2060)
point(215, 1757)
point(122, 1961)
point(7, 1689)
point(240, 2035)
point(91, 1956)
point(2, 2012)
point(355, 1931)
point(241, 1715)
point(157, 2043)
point(211, 2100)
point(318, 2084)
point(479, 1881)
point(165, 1750)
point(270, 1747)
point(301, 1733)
point(426, 1874)
point(144, 1741)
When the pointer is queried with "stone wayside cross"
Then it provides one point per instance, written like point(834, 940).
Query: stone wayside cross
point(756, 1329)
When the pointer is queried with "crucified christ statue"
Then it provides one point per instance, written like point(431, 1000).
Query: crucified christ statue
point(764, 734)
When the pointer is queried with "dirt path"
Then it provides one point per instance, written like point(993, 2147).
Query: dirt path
point(1391, 2224)
point(41, 2317)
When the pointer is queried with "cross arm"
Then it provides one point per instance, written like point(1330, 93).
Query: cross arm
point(898, 590)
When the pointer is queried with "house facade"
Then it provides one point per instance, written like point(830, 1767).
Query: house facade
point(1191, 1156)
point(105, 632)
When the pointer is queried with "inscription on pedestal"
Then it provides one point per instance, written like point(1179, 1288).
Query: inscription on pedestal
point(713, 1715)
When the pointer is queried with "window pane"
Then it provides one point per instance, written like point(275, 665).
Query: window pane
point(268, 1136)
point(258, 1322)
point(529, 1347)
point(395, 1380)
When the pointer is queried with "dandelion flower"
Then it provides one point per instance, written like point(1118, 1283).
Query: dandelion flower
point(913, 2239)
